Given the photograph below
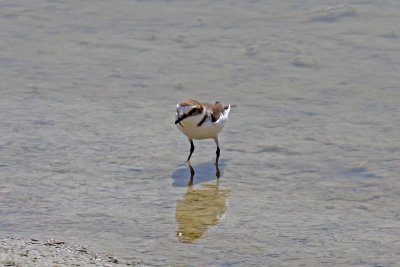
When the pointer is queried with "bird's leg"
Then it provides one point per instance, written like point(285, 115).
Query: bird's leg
point(217, 152)
point(191, 148)
point(191, 175)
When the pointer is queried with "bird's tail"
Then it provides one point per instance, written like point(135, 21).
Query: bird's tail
point(227, 109)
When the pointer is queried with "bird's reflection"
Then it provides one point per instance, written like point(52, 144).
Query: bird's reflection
point(192, 173)
point(200, 208)
point(187, 174)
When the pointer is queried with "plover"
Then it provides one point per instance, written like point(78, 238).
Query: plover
point(200, 121)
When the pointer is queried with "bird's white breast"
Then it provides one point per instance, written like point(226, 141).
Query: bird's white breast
point(206, 130)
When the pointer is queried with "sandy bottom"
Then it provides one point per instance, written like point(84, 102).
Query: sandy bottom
point(90, 154)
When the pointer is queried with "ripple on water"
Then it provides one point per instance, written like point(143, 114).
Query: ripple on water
point(332, 13)
point(362, 170)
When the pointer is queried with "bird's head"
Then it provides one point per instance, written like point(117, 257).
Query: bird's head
point(188, 108)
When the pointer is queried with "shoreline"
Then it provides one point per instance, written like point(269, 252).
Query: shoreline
point(21, 252)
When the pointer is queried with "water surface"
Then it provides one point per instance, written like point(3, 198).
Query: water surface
point(309, 158)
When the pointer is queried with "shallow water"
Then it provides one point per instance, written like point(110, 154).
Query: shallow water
point(310, 157)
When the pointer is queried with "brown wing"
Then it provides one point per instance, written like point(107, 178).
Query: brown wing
point(215, 110)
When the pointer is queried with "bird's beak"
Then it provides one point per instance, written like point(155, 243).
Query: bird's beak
point(180, 118)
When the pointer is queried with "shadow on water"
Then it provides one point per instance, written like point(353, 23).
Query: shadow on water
point(185, 175)
point(202, 207)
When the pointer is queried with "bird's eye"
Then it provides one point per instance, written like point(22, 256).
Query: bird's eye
point(193, 111)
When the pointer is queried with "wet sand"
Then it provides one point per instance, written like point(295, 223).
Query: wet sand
point(20, 252)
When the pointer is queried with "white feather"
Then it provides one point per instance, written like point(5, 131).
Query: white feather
point(207, 129)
